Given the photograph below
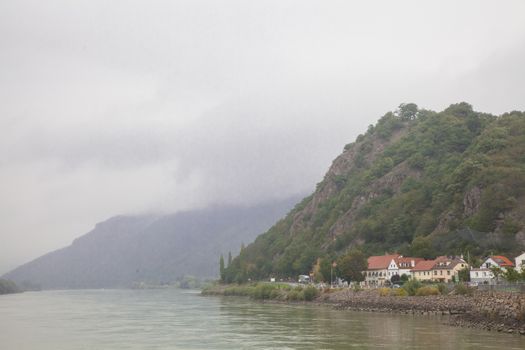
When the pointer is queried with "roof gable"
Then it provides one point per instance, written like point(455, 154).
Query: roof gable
point(502, 261)
point(381, 262)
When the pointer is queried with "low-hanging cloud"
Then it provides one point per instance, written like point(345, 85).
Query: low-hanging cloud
point(133, 106)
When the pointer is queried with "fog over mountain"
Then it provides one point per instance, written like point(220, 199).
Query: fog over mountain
point(126, 250)
point(135, 107)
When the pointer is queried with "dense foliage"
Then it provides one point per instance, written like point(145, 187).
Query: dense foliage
point(264, 290)
point(419, 183)
point(8, 287)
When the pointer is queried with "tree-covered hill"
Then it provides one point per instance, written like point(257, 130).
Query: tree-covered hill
point(419, 183)
point(124, 251)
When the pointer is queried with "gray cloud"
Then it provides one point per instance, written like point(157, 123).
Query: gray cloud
point(132, 106)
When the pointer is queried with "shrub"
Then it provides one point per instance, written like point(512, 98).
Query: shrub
point(263, 291)
point(285, 287)
point(310, 293)
point(356, 287)
point(275, 294)
point(427, 290)
point(239, 290)
point(399, 292)
point(295, 295)
point(412, 286)
point(463, 289)
point(442, 288)
point(384, 292)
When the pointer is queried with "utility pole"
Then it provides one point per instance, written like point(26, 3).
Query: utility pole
point(331, 278)
point(334, 264)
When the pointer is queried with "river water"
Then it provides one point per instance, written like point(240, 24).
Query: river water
point(176, 319)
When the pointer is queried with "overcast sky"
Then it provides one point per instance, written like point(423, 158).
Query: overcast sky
point(117, 107)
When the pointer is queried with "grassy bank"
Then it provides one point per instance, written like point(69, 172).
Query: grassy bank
point(265, 291)
point(287, 292)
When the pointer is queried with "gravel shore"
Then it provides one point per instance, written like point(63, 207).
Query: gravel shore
point(502, 312)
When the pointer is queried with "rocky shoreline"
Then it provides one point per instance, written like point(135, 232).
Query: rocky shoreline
point(492, 311)
point(496, 311)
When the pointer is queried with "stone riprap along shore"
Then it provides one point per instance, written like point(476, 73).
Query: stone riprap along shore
point(498, 311)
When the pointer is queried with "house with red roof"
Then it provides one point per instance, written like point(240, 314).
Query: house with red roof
point(446, 269)
point(497, 261)
point(406, 264)
point(442, 269)
point(380, 269)
point(484, 273)
point(423, 270)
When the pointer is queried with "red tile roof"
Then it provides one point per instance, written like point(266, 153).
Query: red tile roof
point(425, 265)
point(502, 261)
point(380, 262)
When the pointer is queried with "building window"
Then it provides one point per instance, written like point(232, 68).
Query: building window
point(448, 273)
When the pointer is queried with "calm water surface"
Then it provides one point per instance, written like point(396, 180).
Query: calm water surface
point(174, 319)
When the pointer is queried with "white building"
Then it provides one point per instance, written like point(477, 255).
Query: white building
point(497, 261)
point(520, 262)
point(382, 268)
point(482, 275)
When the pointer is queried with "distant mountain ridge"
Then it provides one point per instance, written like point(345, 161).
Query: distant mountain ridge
point(124, 250)
point(419, 182)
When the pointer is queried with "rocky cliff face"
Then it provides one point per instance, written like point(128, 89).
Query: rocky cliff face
point(431, 183)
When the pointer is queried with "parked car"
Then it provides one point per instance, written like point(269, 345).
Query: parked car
point(304, 279)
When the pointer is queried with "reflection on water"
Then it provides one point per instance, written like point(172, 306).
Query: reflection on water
point(172, 319)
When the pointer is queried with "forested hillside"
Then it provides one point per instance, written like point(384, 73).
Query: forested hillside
point(128, 250)
point(419, 183)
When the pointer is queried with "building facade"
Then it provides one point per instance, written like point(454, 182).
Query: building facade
point(520, 262)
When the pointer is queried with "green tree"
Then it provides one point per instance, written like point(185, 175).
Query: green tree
point(221, 268)
point(464, 275)
point(497, 272)
point(407, 111)
point(422, 247)
point(511, 275)
point(316, 271)
point(352, 265)
point(229, 259)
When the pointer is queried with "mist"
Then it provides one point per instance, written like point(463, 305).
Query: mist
point(128, 107)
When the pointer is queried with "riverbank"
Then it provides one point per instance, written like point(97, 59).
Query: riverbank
point(493, 311)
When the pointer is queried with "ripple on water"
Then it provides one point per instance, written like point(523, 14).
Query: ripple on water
point(174, 319)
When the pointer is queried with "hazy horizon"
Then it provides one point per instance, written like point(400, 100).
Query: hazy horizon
point(134, 107)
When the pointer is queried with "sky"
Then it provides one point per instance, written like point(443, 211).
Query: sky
point(130, 107)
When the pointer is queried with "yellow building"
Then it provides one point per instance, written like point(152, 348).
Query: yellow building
point(423, 270)
point(447, 269)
